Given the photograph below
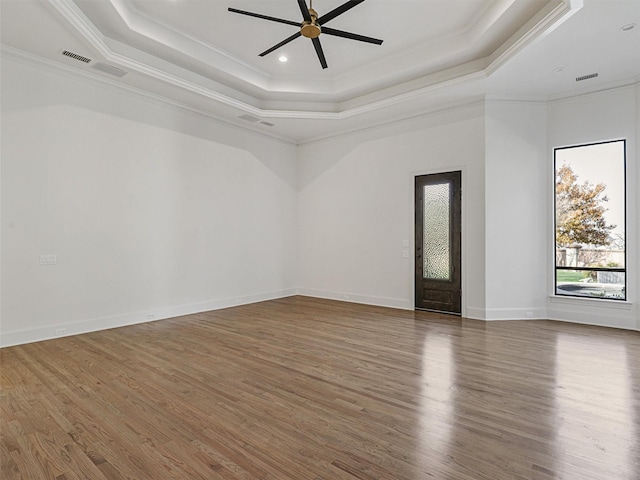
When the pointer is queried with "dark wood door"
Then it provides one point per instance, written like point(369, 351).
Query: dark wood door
point(438, 209)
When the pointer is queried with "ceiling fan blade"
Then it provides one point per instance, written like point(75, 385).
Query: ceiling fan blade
point(265, 17)
point(351, 36)
point(318, 47)
point(284, 42)
point(338, 11)
point(305, 10)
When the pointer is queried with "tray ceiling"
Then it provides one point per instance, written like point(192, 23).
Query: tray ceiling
point(435, 53)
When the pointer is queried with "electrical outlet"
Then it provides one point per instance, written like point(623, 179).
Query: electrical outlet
point(60, 331)
point(150, 316)
point(48, 259)
point(528, 314)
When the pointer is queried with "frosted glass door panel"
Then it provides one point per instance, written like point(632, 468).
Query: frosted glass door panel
point(438, 230)
point(437, 241)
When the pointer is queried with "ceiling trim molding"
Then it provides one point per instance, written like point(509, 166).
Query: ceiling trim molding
point(388, 102)
point(142, 24)
point(177, 39)
point(515, 99)
point(85, 27)
point(617, 85)
point(73, 71)
point(546, 21)
point(82, 24)
point(476, 103)
point(37, 61)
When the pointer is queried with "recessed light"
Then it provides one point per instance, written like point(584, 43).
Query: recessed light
point(282, 58)
point(627, 27)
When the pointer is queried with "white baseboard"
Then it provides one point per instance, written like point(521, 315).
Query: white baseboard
point(490, 314)
point(515, 314)
point(617, 315)
point(400, 303)
point(474, 313)
point(603, 313)
point(50, 331)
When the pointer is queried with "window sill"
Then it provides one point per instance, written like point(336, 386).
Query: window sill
point(592, 302)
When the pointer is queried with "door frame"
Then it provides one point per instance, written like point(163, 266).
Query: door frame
point(463, 227)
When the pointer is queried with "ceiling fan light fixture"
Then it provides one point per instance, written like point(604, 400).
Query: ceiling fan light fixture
point(310, 29)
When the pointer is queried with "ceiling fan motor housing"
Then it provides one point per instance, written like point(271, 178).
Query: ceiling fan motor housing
point(311, 26)
point(311, 29)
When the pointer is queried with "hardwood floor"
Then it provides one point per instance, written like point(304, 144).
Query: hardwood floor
point(308, 389)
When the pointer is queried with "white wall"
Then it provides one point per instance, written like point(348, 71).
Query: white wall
point(516, 210)
point(151, 211)
point(637, 211)
point(607, 115)
point(356, 207)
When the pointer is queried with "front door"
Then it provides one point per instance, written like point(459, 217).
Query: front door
point(438, 242)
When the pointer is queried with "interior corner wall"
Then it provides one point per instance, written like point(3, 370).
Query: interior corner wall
point(516, 210)
point(596, 117)
point(356, 208)
point(637, 187)
point(150, 211)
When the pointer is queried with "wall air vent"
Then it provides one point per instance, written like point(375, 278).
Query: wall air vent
point(249, 118)
point(75, 56)
point(110, 69)
point(586, 77)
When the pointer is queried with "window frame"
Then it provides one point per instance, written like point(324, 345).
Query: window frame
point(556, 267)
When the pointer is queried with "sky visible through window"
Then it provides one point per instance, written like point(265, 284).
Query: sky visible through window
point(600, 163)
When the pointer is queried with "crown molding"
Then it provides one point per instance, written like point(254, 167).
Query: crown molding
point(629, 83)
point(547, 20)
point(383, 95)
point(462, 107)
point(185, 43)
point(415, 91)
point(83, 25)
point(516, 99)
point(64, 69)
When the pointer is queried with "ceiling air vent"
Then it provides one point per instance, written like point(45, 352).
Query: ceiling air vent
point(249, 118)
point(586, 77)
point(110, 69)
point(75, 56)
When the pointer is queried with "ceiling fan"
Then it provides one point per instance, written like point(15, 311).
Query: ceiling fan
point(312, 26)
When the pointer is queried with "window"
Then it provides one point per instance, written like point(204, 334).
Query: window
point(590, 214)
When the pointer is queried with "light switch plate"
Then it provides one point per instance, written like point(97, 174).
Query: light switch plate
point(48, 259)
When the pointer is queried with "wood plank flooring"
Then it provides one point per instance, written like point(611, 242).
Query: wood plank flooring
point(309, 389)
